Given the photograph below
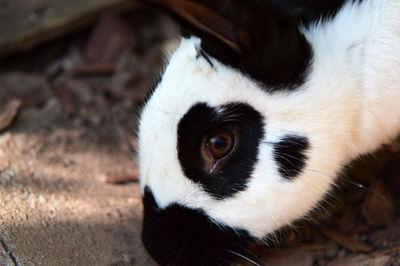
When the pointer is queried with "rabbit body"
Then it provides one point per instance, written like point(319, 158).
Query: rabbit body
point(347, 105)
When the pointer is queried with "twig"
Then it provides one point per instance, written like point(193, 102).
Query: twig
point(8, 251)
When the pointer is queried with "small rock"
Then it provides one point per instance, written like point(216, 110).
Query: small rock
point(332, 251)
point(342, 253)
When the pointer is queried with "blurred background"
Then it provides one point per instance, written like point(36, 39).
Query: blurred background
point(73, 77)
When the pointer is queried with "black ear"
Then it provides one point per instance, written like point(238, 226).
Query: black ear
point(250, 35)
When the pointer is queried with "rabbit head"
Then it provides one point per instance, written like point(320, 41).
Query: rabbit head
point(247, 128)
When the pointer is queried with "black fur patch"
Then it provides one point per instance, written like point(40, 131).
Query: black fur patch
point(307, 10)
point(290, 154)
point(280, 61)
point(288, 74)
point(181, 236)
point(202, 120)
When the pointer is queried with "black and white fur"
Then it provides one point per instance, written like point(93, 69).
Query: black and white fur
point(338, 99)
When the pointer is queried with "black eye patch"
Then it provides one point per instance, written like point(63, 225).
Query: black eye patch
point(202, 120)
point(290, 155)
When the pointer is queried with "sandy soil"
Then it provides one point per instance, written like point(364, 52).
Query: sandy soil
point(56, 208)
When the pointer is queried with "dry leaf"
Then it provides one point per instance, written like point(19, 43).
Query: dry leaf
point(361, 260)
point(379, 208)
point(390, 173)
point(94, 69)
point(348, 219)
point(67, 100)
point(8, 113)
point(109, 39)
point(132, 176)
point(285, 257)
point(346, 241)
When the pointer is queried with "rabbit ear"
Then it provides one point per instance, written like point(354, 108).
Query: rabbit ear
point(203, 18)
point(262, 41)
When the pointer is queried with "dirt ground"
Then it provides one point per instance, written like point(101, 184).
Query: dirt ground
point(68, 178)
point(56, 208)
point(72, 136)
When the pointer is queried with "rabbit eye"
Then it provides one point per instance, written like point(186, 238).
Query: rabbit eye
point(219, 145)
point(217, 148)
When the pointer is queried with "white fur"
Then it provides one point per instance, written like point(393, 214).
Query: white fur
point(349, 105)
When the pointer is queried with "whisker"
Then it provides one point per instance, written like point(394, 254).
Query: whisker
point(179, 256)
point(243, 257)
point(361, 186)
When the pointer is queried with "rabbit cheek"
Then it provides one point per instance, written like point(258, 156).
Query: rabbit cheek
point(178, 235)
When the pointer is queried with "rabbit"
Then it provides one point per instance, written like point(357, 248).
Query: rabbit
point(257, 112)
